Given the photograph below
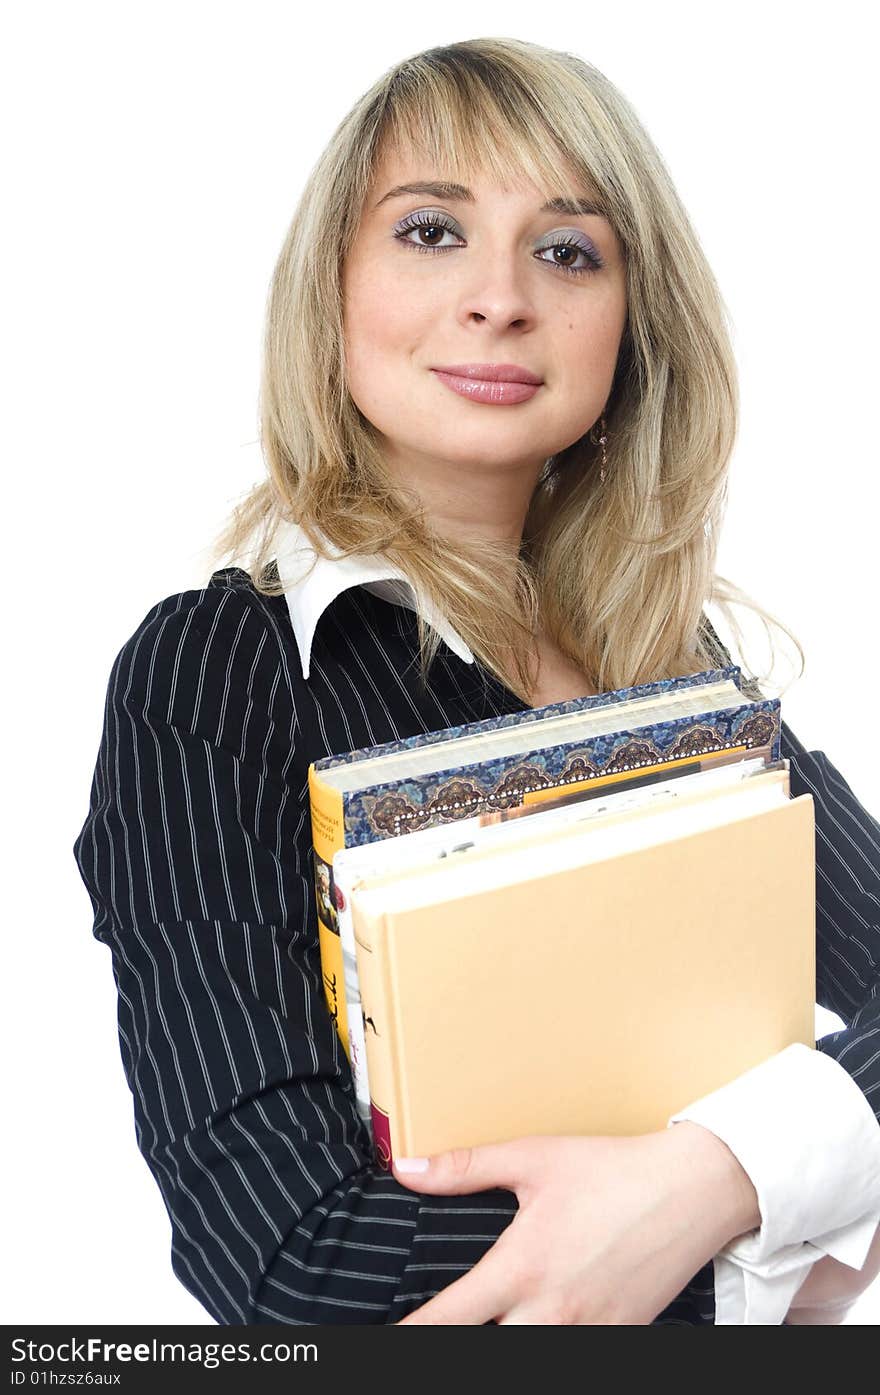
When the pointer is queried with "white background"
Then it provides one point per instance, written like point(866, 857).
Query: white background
point(154, 156)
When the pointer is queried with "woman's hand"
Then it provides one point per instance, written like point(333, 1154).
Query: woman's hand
point(609, 1230)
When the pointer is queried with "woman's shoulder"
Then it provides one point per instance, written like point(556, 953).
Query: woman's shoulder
point(226, 600)
point(222, 636)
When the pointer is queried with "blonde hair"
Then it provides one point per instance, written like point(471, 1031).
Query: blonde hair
point(618, 572)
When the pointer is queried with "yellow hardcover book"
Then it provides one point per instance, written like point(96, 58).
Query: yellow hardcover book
point(594, 982)
point(328, 837)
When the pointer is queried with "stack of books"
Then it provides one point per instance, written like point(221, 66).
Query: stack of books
point(573, 919)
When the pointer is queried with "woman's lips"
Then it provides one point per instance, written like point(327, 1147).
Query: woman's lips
point(486, 390)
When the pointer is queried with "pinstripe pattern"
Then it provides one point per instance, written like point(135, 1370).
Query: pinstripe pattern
point(195, 854)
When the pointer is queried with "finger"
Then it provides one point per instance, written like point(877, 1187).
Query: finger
point(476, 1298)
point(469, 1169)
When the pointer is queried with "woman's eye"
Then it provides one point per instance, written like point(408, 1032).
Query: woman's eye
point(577, 257)
point(571, 251)
point(419, 223)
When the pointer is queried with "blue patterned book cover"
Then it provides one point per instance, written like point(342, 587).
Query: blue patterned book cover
point(457, 791)
point(402, 806)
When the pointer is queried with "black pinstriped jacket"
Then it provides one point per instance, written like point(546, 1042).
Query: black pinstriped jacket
point(195, 853)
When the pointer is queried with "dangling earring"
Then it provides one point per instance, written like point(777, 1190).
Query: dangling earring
point(601, 441)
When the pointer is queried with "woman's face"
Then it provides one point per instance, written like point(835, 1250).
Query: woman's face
point(497, 290)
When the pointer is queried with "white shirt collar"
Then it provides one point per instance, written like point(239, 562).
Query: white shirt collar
point(310, 592)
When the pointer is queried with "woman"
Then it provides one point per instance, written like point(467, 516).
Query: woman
point(498, 405)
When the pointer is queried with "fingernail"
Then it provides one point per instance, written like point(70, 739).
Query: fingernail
point(411, 1164)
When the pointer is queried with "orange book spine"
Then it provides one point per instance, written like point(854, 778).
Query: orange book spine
point(704, 761)
point(328, 836)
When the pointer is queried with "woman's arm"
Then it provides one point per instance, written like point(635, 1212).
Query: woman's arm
point(848, 982)
point(791, 1120)
point(847, 915)
point(803, 1125)
point(831, 1141)
point(195, 852)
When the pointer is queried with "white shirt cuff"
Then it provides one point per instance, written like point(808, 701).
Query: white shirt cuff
point(806, 1135)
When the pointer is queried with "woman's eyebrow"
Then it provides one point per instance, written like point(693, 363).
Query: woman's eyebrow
point(438, 189)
